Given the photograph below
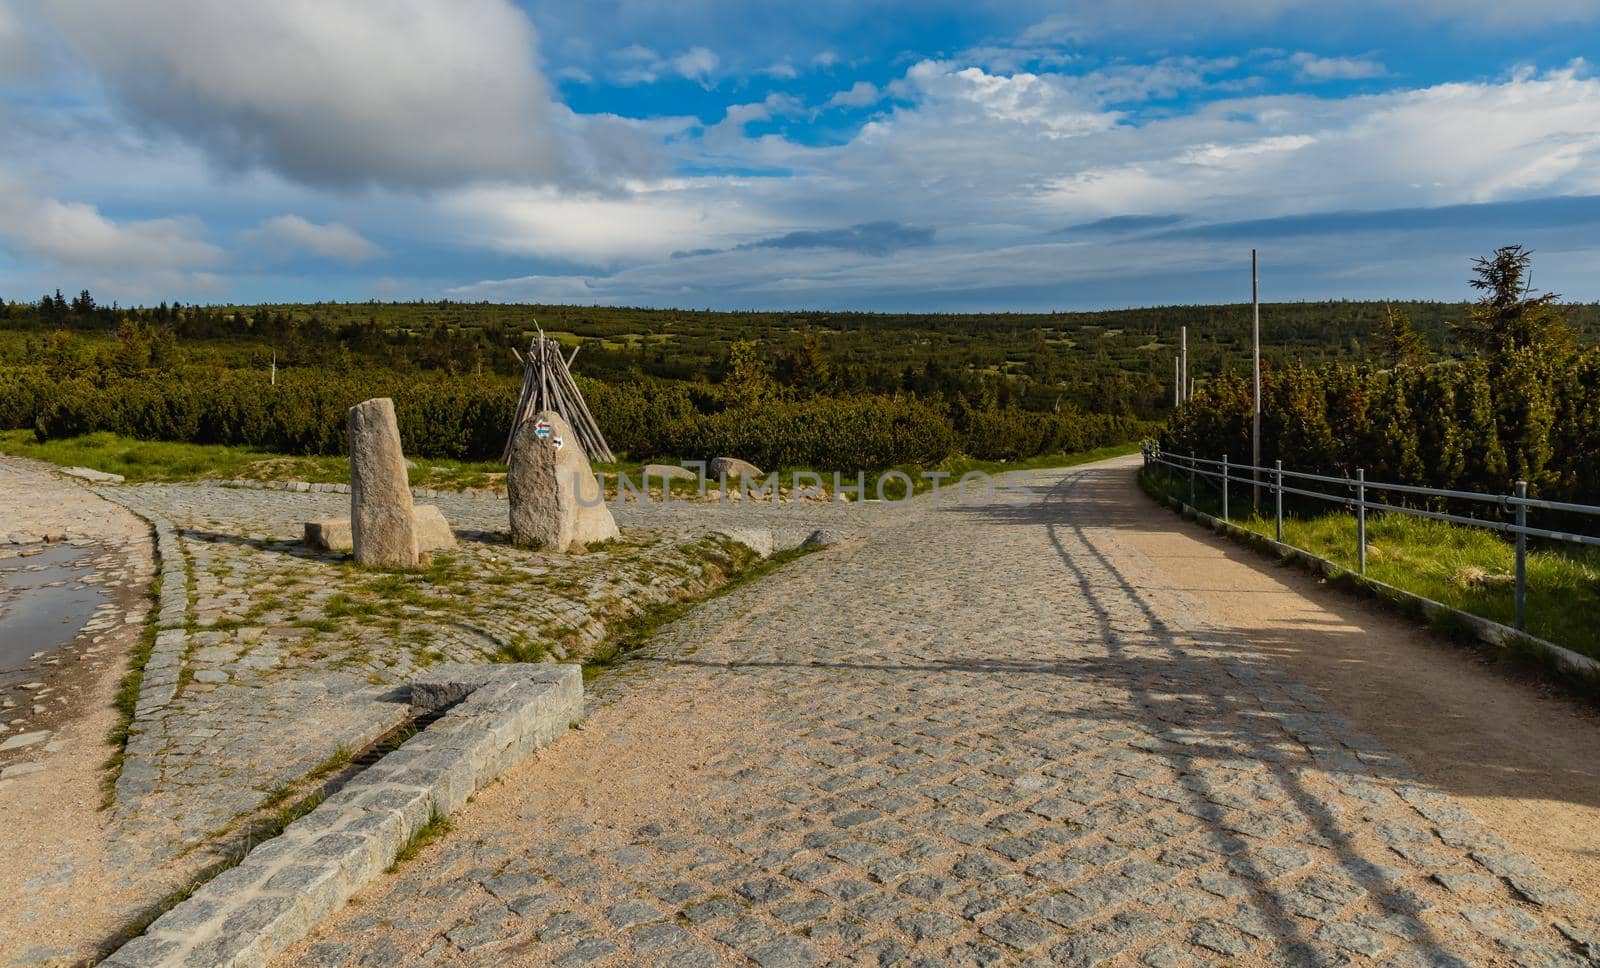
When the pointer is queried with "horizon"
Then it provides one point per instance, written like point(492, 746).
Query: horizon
point(893, 158)
point(1145, 308)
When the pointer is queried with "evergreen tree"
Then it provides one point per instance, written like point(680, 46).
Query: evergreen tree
point(1525, 413)
point(746, 383)
point(1432, 399)
point(1395, 343)
point(1509, 316)
point(808, 367)
point(1483, 459)
point(1390, 453)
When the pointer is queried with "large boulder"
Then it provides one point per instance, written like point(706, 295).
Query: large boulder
point(381, 528)
point(731, 467)
point(556, 502)
point(432, 531)
point(669, 472)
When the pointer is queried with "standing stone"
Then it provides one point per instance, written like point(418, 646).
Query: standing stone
point(381, 527)
point(548, 487)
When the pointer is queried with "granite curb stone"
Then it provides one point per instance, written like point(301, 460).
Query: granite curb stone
point(495, 717)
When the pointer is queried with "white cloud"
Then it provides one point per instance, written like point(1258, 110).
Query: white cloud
point(1008, 59)
point(638, 64)
point(1083, 20)
point(649, 221)
point(331, 240)
point(1310, 67)
point(76, 235)
point(1044, 104)
point(998, 164)
point(992, 153)
point(860, 95)
point(17, 58)
point(697, 64)
point(567, 290)
point(428, 93)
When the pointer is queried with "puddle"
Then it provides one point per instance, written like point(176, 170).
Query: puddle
point(43, 603)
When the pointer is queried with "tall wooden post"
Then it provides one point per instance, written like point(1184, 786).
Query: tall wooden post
point(1183, 355)
point(1177, 384)
point(1255, 406)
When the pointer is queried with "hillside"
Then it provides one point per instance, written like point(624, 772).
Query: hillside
point(1115, 361)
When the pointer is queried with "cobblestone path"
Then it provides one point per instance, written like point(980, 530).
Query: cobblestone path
point(975, 738)
point(274, 659)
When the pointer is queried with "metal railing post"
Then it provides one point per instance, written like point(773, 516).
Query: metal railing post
point(1277, 487)
point(1224, 487)
point(1361, 519)
point(1522, 558)
point(1191, 480)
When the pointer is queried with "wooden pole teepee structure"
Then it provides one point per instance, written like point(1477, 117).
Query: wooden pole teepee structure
point(547, 384)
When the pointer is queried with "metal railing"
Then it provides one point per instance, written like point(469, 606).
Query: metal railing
point(1229, 475)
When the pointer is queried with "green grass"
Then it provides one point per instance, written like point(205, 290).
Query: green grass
point(142, 461)
point(1466, 568)
point(126, 701)
point(137, 460)
point(521, 648)
point(437, 826)
point(738, 565)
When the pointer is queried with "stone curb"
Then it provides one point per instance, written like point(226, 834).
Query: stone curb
point(767, 542)
point(174, 606)
point(159, 683)
point(249, 914)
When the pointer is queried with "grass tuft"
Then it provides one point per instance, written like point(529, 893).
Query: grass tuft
point(437, 826)
point(126, 700)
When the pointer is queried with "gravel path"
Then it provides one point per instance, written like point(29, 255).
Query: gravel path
point(59, 871)
point(981, 736)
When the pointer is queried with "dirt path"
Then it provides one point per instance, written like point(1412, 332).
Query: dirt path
point(1525, 761)
point(64, 891)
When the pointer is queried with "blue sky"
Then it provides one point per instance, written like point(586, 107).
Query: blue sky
point(1024, 155)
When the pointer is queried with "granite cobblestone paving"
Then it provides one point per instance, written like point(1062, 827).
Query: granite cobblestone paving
point(273, 659)
point(976, 737)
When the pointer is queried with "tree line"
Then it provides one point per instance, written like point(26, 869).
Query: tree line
point(1522, 404)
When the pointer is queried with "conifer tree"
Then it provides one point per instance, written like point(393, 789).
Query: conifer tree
point(1510, 316)
point(1395, 343)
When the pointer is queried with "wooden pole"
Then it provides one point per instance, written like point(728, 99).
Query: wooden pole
point(1183, 354)
point(1255, 405)
point(548, 384)
point(544, 393)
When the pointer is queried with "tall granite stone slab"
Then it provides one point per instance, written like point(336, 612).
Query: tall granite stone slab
point(381, 527)
point(538, 519)
point(556, 502)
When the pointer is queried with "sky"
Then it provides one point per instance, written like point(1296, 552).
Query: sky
point(1015, 155)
